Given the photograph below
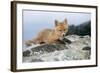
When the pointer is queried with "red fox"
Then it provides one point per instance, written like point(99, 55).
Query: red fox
point(51, 35)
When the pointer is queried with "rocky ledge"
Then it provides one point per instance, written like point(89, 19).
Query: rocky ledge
point(73, 47)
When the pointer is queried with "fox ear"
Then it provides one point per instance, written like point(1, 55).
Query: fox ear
point(65, 21)
point(56, 22)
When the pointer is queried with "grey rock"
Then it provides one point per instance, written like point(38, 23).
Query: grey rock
point(86, 48)
point(75, 48)
point(26, 53)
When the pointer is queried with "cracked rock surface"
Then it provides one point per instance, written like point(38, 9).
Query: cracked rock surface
point(74, 48)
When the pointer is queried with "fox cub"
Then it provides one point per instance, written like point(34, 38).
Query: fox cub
point(51, 35)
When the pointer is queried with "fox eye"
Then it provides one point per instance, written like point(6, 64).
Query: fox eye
point(64, 29)
point(60, 30)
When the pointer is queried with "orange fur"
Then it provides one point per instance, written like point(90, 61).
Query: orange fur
point(51, 35)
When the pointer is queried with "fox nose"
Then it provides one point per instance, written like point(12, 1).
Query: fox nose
point(63, 34)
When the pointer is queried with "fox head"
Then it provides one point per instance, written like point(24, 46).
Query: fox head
point(61, 28)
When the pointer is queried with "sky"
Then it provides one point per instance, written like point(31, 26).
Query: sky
point(35, 21)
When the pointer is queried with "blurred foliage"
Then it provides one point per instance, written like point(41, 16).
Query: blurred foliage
point(81, 30)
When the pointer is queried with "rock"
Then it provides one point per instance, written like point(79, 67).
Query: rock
point(45, 48)
point(26, 53)
point(86, 48)
point(67, 40)
point(73, 47)
point(36, 60)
